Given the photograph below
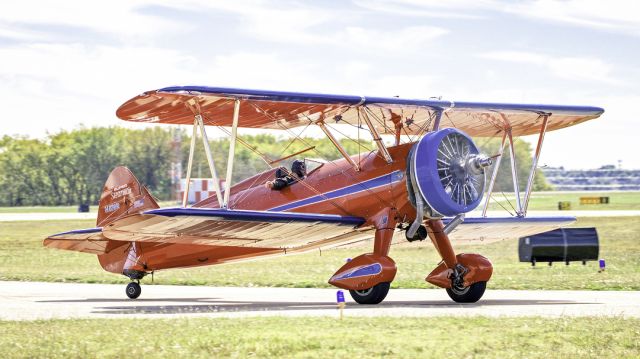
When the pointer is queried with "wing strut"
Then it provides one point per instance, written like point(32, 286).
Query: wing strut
point(436, 122)
point(521, 203)
point(534, 162)
point(335, 142)
point(192, 148)
point(494, 175)
point(232, 152)
point(376, 136)
point(514, 173)
point(198, 123)
point(210, 160)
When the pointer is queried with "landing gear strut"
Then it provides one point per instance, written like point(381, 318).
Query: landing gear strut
point(133, 290)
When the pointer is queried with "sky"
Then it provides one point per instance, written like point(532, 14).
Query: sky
point(74, 62)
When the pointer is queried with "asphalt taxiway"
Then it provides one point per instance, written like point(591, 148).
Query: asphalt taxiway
point(37, 300)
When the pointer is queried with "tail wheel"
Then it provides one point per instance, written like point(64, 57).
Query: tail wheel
point(470, 294)
point(133, 290)
point(373, 295)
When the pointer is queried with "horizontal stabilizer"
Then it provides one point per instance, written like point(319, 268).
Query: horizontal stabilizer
point(81, 240)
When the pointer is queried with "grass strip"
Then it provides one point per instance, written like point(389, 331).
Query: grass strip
point(315, 337)
point(22, 257)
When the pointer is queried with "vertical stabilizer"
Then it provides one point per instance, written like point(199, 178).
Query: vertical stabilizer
point(123, 195)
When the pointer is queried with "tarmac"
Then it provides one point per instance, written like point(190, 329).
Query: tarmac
point(38, 300)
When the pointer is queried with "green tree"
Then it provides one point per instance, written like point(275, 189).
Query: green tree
point(148, 155)
point(70, 167)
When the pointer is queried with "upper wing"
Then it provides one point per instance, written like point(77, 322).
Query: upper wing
point(217, 227)
point(280, 110)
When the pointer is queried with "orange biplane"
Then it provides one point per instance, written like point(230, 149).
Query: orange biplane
point(422, 184)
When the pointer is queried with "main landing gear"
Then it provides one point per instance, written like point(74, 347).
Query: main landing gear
point(464, 276)
point(133, 289)
point(368, 276)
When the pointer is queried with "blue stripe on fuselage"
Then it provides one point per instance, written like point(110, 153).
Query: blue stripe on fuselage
point(383, 180)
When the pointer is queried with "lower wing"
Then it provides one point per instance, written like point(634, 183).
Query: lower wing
point(215, 227)
point(284, 230)
point(476, 230)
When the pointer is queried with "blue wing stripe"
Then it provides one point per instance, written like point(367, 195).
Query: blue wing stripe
point(80, 231)
point(352, 189)
point(282, 96)
point(265, 216)
point(493, 220)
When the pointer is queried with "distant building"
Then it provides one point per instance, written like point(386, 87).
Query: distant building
point(199, 189)
point(605, 178)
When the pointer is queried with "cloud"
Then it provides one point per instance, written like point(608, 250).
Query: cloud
point(423, 8)
point(573, 68)
point(286, 21)
point(53, 86)
point(19, 34)
point(87, 69)
point(312, 26)
point(124, 19)
point(615, 15)
point(403, 40)
point(619, 15)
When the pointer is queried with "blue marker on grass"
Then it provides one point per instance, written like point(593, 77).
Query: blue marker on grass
point(340, 301)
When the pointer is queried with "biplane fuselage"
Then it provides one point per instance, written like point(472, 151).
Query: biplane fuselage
point(333, 188)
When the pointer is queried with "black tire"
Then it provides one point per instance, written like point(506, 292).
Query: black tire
point(373, 295)
point(470, 294)
point(133, 290)
point(421, 234)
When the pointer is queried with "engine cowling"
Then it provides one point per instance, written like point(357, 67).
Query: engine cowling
point(447, 170)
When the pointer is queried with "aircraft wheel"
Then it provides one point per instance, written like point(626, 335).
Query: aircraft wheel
point(373, 295)
point(470, 294)
point(133, 290)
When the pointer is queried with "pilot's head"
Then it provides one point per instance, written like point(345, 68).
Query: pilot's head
point(299, 168)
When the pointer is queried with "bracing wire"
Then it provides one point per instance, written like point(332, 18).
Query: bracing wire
point(321, 156)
